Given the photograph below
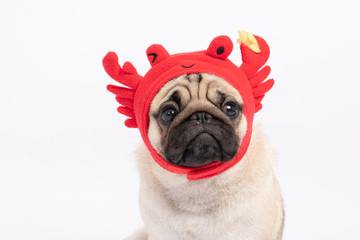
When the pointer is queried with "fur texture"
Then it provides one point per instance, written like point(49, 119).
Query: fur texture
point(241, 203)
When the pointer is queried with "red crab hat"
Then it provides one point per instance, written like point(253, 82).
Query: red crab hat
point(139, 92)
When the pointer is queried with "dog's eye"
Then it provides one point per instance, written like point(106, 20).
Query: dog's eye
point(231, 109)
point(168, 114)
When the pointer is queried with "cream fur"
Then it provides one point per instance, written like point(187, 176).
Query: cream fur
point(243, 203)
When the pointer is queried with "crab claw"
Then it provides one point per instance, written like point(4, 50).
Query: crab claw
point(128, 76)
point(249, 40)
point(254, 52)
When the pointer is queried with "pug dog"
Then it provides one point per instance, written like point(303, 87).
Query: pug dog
point(194, 120)
point(206, 172)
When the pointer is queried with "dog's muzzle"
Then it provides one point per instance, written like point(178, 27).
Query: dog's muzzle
point(199, 140)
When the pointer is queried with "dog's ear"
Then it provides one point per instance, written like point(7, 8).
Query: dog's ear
point(156, 53)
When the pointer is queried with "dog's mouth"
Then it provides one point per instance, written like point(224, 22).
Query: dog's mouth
point(201, 150)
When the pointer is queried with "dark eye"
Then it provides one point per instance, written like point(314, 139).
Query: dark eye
point(168, 114)
point(231, 109)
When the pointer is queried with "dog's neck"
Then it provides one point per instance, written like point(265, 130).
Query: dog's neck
point(205, 194)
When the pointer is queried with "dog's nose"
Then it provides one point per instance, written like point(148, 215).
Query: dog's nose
point(205, 147)
point(201, 117)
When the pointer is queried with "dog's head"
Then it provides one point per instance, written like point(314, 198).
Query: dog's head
point(194, 110)
point(197, 119)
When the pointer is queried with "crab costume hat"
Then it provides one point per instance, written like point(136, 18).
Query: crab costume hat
point(248, 80)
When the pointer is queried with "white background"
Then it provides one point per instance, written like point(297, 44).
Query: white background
point(67, 169)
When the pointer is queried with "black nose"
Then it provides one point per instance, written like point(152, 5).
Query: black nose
point(205, 147)
point(201, 117)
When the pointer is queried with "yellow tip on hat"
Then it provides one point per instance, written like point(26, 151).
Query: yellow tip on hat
point(249, 40)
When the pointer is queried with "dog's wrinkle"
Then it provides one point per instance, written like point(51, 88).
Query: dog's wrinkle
point(222, 96)
point(175, 97)
point(200, 77)
point(210, 101)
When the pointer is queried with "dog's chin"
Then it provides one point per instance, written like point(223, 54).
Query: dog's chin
point(202, 150)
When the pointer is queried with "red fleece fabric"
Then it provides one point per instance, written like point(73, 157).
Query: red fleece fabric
point(137, 98)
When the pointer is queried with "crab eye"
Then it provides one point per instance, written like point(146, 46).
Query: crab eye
point(168, 114)
point(231, 109)
point(220, 47)
point(156, 53)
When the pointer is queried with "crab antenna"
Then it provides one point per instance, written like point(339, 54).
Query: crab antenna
point(127, 75)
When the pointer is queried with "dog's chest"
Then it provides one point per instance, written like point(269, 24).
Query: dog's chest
point(205, 215)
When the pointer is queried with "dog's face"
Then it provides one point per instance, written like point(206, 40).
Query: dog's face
point(197, 119)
